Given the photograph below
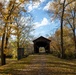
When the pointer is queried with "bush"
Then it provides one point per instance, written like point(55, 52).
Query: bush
point(8, 56)
point(69, 54)
point(55, 53)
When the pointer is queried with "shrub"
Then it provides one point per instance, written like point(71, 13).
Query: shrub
point(69, 54)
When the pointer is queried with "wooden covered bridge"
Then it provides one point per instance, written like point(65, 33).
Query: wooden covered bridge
point(41, 42)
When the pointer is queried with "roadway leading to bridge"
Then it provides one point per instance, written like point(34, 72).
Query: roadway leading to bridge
point(40, 65)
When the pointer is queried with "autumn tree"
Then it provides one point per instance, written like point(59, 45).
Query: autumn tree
point(70, 20)
point(8, 13)
point(59, 11)
point(68, 43)
point(25, 25)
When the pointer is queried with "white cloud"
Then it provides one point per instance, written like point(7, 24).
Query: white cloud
point(42, 23)
point(42, 1)
point(47, 6)
point(36, 5)
point(30, 8)
point(33, 6)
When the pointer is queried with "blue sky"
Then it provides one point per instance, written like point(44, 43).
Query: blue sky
point(42, 21)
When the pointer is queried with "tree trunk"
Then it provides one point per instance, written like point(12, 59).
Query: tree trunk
point(18, 40)
point(3, 56)
point(2, 51)
point(75, 41)
point(62, 49)
point(6, 44)
point(74, 28)
point(3, 62)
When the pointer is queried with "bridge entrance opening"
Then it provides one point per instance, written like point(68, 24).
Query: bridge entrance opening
point(41, 50)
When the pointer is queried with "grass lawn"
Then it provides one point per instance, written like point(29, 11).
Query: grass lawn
point(39, 65)
point(9, 60)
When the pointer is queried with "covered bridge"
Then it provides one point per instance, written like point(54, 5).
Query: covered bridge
point(41, 42)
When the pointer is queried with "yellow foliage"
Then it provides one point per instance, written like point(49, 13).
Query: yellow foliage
point(13, 26)
point(11, 11)
point(13, 33)
point(1, 33)
point(66, 15)
point(21, 1)
point(15, 14)
point(6, 51)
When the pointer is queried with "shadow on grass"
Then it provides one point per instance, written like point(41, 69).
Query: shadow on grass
point(35, 66)
point(44, 71)
point(62, 63)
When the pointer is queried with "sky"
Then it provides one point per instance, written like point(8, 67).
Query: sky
point(43, 24)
